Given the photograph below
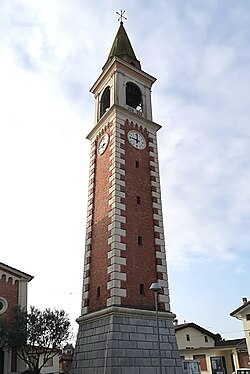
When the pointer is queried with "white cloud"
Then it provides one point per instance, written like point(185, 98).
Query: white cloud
point(50, 55)
point(203, 107)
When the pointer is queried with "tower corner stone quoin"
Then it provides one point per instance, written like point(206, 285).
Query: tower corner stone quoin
point(125, 247)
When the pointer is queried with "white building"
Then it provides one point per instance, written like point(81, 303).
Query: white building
point(216, 356)
point(243, 314)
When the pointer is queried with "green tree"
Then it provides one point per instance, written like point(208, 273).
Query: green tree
point(35, 336)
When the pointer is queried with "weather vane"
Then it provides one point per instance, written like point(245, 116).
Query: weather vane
point(121, 15)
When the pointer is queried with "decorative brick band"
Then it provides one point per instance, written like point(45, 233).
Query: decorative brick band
point(160, 253)
point(116, 230)
point(89, 224)
point(11, 279)
point(89, 227)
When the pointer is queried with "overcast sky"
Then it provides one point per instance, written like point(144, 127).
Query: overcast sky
point(51, 52)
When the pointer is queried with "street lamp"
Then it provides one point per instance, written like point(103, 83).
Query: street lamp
point(156, 288)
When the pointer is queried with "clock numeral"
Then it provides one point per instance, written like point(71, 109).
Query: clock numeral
point(103, 143)
point(136, 139)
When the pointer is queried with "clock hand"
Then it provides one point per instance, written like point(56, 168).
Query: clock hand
point(136, 139)
point(103, 144)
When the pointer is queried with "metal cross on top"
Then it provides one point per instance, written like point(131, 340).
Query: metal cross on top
point(121, 15)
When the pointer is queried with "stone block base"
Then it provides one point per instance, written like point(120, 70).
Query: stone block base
point(125, 341)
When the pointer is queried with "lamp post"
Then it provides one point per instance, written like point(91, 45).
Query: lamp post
point(156, 288)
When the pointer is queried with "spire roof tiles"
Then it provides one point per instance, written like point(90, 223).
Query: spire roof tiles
point(122, 48)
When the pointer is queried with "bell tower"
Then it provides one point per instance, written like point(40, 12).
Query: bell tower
point(125, 249)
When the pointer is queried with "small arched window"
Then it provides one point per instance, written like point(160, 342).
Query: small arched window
point(3, 305)
point(141, 289)
point(133, 96)
point(105, 101)
point(98, 292)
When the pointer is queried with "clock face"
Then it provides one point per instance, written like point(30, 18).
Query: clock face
point(136, 139)
point(103, 143)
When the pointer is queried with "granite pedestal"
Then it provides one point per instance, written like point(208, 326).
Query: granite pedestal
point(125, 341)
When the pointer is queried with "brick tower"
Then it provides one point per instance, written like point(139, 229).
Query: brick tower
point(125, 250)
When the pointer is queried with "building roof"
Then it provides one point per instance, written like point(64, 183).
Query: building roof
point(122, 48)
point(231, 343)
point(240, 308)
point(197, 327)
point(16, 272)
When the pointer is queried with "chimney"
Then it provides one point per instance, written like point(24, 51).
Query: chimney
point(175, 322)
point(244, 300)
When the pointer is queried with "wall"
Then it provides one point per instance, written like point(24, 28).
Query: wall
point(197, 339)
point(246, 327)
point(54, 368)
point(13, 291)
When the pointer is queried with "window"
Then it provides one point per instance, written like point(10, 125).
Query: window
point(248, 317)
point(202, 359)
point(105, 101)
point(3, 305)
point(188, 338)
point(137, 164)
point(206, 339)
point(133, 96)
point(138, 200)
point(49, 362)
point(141, 289)
point(98, 291)
point(139, 240)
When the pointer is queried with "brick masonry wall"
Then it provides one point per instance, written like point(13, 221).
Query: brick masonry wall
point(9, 288)
point(96, 251)
point(140, 259)
point(114, 261)
point(117, 210)
point(89, 229)
point(99, 248)
point(160, 250)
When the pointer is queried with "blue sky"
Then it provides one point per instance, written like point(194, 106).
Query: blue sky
point(51, 52)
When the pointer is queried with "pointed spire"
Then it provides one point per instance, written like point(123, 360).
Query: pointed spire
point(122, 48)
